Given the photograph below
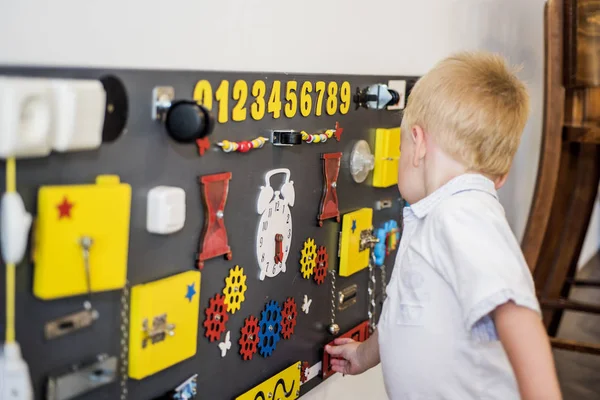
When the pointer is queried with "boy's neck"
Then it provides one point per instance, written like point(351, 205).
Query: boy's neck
point(439, 170)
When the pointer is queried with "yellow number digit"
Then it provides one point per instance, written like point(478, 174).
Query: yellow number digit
point(332, 98)
point(306, 99)
point(257, 109)
point(320, 89)
point(240, 93)
point(292, 99)
point(203, 94)
point(345, 96)
point(222, 96)
point(274, 106)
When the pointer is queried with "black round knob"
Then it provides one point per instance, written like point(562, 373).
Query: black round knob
point(187, 121)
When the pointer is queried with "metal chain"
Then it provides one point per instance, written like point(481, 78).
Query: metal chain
point(371, 291)
point(383, 283)
point(332, 273)
point(124, 340)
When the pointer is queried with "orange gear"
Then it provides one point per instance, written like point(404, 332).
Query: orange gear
point(249, 338)
point(289, 312)
point(322, 266)
point(303, 372)
point(216, 318)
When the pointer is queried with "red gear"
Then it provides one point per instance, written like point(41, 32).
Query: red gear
point(289, 312)
point(303, 377)
point(249, 338)
point(216, 317)
point(322, 265)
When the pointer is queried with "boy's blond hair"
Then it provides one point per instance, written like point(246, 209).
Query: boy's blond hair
point(476, 109)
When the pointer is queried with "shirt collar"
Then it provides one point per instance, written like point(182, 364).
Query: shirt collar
point(458, 184)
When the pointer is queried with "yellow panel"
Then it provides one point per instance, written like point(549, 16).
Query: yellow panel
point(175, 302)
point(65, 215)
point(289, 388)
point(352, 259)
point(387, 154)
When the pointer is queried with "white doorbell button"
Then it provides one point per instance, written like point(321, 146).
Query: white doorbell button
point(166, 210)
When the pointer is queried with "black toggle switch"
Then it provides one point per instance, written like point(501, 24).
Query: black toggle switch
point(187, 121)
point(286, 138)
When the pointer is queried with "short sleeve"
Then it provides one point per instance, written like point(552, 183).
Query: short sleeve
point(479, 256)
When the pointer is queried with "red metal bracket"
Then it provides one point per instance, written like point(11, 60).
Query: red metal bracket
point(360, 333)
point(214, 242)
point(329, 198)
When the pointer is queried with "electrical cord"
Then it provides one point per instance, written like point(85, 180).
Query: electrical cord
point(11, 187)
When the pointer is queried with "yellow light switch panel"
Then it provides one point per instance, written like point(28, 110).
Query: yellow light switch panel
point(352, 258)
point(387, 155)
point(69, 214)
point(163, 327)
point(284, 385)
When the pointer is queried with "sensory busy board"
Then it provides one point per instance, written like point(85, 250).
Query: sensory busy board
point(195, 234)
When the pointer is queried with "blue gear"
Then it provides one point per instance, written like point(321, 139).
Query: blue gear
point(270, 328)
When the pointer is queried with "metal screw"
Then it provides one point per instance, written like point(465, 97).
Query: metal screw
point(218, 317)
point(270, 328)
point(220, 214)
point(250, 337)
point(334, 185)
point(289, 317)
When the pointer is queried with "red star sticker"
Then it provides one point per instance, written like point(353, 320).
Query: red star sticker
point(64, 208)
point(203, 145)
point(338, 131)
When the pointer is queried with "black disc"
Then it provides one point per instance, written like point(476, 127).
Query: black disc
point(117, 108)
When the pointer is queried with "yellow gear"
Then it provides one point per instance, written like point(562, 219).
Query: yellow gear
point(235, 287)
point(308, 261)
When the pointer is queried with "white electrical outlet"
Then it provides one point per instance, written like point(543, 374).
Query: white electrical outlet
point(400, 87)
point(25, 117)
point(79, 107)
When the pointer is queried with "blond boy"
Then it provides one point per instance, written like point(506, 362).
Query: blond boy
point(461, 320)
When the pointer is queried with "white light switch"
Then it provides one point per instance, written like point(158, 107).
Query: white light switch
point(400, 87)
point(25, 117)
point(166, 210)
point(79, 114)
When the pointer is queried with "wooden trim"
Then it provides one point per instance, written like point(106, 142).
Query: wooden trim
point(587, 133)
point(553, 119)
point(571, 345)
point(565, 304)
point(584, 283)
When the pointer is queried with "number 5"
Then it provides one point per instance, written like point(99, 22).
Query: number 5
point(292, 99)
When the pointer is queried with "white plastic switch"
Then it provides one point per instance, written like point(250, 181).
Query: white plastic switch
point(15, 224)
point(166, 210)
point(25, 117)
point(15, 383)
point(400, 87)
point(79, 107)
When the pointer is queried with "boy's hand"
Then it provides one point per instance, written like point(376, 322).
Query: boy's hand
point(344, 356)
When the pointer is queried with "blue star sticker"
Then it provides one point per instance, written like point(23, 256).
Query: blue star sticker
point(190, 292)
point(353, 225)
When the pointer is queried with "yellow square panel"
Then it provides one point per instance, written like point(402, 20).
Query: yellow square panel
point(387, 155)
point(284, 385)
point(66, 216)
point(163, 327)
point(352, 259)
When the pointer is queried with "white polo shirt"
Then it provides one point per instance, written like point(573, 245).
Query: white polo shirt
point(458, 260)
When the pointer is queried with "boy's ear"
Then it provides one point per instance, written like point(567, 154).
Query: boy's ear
point(420, 144)
point(500, 181)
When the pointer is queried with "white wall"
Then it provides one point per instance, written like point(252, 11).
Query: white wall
point(351, 36)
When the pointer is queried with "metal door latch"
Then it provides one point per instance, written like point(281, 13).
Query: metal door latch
point(82, 378)
point(160, 330)
point(367, 240)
